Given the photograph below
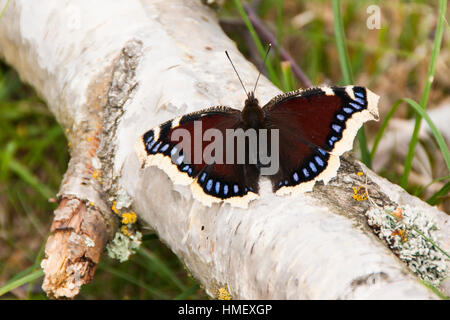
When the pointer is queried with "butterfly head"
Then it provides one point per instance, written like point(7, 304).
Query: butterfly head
point(252, 114)
point(251, 99)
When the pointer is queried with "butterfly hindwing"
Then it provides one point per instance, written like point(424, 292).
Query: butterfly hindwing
point(316, 126)
point(186, 165)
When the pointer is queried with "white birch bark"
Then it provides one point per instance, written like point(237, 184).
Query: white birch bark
point(131, 65)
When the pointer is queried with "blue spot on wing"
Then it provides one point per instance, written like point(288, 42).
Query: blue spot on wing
point(305, 172)
point(209, 185)
point(150, 138)
point(360, 101)
point(180, 159)
point(348, 110)
point(156, 147)
point(336, 127)
point(319, 161)
point(217, 187)
point(164, 148)
point(355, 105)
point(313, 167)
point(150, 146)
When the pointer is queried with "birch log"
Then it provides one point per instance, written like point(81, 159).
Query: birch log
point(111, 70)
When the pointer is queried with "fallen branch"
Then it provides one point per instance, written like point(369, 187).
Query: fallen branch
point(113, 72)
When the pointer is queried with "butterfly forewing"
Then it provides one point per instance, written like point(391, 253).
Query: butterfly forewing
point(212, 179)
point(316, 126)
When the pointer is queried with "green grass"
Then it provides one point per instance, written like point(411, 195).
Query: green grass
point(347, 73)
point(28, 278)
point(426, 92)
point(34, 155)
point(421, 114)
point(261, 49)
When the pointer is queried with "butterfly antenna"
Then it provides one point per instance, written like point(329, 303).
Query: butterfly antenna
point(242, 84)
point(264, 62)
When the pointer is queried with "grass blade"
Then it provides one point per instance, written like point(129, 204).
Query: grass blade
point(31, 179)
point(162, 269)
point(426, 92)
point(437, 135)
point(347, 74)
point(439, 195)
point(339, 34)
point(420, 191)
point(21, 281)
point(286, 73)
point(435, 290)
point(257, 41)
point(133, 280)
point(187, 293)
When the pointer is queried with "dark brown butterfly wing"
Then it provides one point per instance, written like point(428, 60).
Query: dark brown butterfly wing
point(315, 127)
point(210, 182)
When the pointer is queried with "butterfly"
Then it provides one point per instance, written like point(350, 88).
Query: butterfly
point(306, 131)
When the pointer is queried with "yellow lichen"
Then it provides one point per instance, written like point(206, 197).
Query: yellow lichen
point(129, 217)
point(97, 175)
point(360, 173)
point(223, 294)
point(125, 231)
point(360, 193)
point(114, 208)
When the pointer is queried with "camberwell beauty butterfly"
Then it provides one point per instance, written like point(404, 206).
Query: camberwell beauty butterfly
point(224, 151)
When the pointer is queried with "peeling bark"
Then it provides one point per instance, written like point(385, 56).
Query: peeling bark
point(127, 67)
point(74, 249)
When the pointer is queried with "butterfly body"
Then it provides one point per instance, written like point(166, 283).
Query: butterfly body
point(252, 115)
point(295, 139)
